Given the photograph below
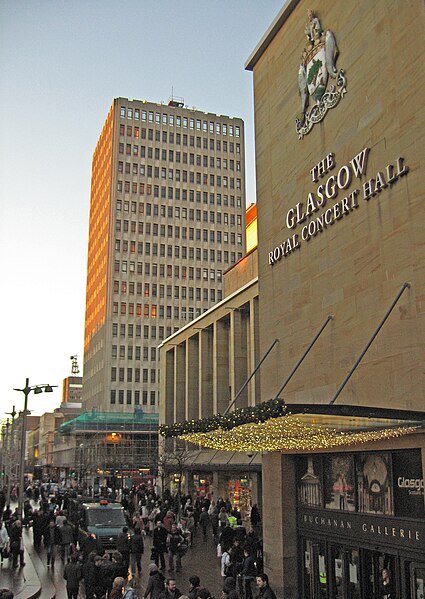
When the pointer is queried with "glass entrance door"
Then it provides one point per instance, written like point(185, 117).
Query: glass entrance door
point(380, 576)
point(417, 581)
point(345, 572)
point(314, 570)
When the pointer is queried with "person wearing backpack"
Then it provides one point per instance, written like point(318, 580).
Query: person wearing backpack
point(73, 574)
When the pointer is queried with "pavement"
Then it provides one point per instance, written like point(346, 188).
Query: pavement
point(35, 579)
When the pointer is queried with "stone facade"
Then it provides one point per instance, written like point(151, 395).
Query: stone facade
point(350, 256)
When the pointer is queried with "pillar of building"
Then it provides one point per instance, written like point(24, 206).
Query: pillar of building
point(192, 378)
point(253, 350)
point(279, 524)
point(215, 486)
point(221, 383)
point(179, 382)
point(238, 356)
point(169, 387)
point(205, 376)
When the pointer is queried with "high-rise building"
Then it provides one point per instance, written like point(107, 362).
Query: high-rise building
point(167, 218)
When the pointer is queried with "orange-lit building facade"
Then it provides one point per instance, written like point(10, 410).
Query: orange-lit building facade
point(167, 218)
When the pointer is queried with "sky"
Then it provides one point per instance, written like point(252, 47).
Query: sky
point(61, 65)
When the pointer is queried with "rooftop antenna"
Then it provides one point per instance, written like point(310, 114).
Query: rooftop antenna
point(75, 370)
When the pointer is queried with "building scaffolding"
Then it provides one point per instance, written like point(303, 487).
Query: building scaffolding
point(113, 446)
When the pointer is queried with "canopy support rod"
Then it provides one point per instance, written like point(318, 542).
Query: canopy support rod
point(369, 343)
point(250, 376)
point(301, 360)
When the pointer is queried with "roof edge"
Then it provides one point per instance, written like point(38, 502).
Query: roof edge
point(267, 38)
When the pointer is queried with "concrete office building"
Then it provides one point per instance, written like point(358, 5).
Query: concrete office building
point(167, 217)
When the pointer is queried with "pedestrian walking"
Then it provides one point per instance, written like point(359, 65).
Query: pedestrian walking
point(117, 588)
point(248, 574)
point(52, 538)
point(171, 591)
point(266, 591)
point(73, 574)
point(67, 540)
point(136, 551)
point(4, 542)
point(159, 544)
point(156, 581)
point(17, 544)
point(123, 546)
point(174, 543)
point(195, 585)
point(204, 521)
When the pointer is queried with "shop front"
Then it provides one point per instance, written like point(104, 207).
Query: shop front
point(360, 525)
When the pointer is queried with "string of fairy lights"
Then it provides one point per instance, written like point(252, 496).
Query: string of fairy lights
point(288, 433)
point(271, 427)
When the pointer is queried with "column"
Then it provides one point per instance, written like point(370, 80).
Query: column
point(205, 376)
point(192, 378)
point(280, 523)
point(179, 382)
point(221, 382)
point(238, 356)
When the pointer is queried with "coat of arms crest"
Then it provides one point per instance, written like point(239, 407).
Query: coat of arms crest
point(317, 66)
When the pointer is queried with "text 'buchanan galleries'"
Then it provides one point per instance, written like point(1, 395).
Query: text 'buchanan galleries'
point(330, 189)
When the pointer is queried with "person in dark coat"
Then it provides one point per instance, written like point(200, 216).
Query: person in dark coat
point(155, 586)
point(123, 546)
point(248, 574)
point(16, 544)
point(171, 591)
point(37, 528)
point(229, 588)
point(136, 551)
point(52, 538)
point(195, 585)
point(159, 544)
point(73, 574)
point(204, 521)
point(116, 569)
point(91, 544)
point(96, 580)
point(266, 592)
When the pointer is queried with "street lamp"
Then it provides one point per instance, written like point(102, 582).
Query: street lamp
point(26, 391)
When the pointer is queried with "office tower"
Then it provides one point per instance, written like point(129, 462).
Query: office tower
point(167, 218)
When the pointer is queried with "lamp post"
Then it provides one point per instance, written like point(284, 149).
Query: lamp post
point(26, 391)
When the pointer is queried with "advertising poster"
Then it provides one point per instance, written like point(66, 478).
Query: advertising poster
point(309, 481)
point(374, 483)
point(408, 483)
point(339, 483)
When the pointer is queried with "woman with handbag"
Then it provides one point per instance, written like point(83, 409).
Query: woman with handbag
point(4, 542)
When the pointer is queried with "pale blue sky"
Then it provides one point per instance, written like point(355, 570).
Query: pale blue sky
point(61, 65)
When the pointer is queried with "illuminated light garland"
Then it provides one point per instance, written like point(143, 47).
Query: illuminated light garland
point(259, 413)
point(288, 433)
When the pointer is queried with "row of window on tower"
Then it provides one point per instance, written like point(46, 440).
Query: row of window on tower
point(171, 192)
point(159, 290)
point(187, 141)
point(177, 212)
point(160, 311)
point(130, 375)
point(132, 266)
point(171, 120)
point(118, 397)
point(135, 331)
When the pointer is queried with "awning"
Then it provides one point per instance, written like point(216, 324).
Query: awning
point(300, 427)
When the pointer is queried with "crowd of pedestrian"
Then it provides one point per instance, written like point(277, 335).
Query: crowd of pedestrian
point(172, 523)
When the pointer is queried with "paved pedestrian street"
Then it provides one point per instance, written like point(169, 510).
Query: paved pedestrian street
point(200, 560)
